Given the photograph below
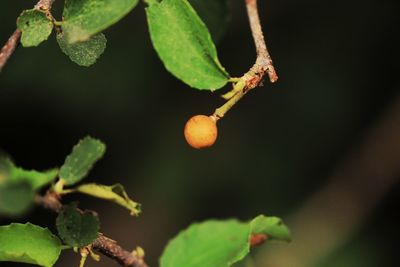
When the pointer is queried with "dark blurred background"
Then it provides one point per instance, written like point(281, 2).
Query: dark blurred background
point(320, 148)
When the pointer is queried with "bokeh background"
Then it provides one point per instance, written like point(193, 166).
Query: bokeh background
point(321, 148)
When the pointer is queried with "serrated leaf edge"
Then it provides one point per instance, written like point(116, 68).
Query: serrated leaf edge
point(43, 229)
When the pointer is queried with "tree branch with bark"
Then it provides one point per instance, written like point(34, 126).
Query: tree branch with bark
point(102, 244)
point(9, 48)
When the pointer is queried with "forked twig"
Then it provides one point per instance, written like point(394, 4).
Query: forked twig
point(263, 65)
point(102, 244)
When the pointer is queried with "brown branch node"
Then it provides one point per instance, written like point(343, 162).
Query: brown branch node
point(102, 244)
point(262, 67)
point(9, 47)
point(110, 248)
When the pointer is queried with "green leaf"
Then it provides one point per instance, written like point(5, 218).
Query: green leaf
point(211, 244)
point(6, 166)
point(214, 243)
point(82, 158)
point(28, 243)
point(4, 169)
point(184, 44)
point(15, 198)
point(18, 186)
point(35, 27)
point(215, 15)
point(83, 53)
point(85, 18)
point(115, 193)
point(35, 178)
point(77, 229)
point(9, 173)
point(273, 227)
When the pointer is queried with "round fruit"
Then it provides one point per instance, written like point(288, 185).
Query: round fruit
point(201, 131)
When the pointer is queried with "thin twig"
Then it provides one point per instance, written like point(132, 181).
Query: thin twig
point(44, 5)
point(110, 248)
point(264, 61)
point(263, 65)
point(102, 244)
point(12, 43)
point(9, 48)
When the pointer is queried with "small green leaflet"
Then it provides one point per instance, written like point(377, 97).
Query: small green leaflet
point(77, 229)
point(9, 173)
point(85, 18)
point(184, 44)
point(18, 186)
point(115, 193)
point(35, 178)
point(5, 166)
point(28, 243)
point(218, 243)
point(35, 27)
point(82, 158)
point(83, 53)
point(15, 198)
point(273, 227)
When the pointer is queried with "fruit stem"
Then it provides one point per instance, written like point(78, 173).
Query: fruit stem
point(262, 67)
point(233, 96)
point(220, 112)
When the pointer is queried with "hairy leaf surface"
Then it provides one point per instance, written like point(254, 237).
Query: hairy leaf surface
point(35, 27)
point(82, 158)
point(75, 228)
point(85, 18)
point(83, 53)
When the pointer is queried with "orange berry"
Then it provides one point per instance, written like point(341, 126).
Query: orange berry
point(201, 131)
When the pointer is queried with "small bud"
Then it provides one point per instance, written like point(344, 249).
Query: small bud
point(257, 239)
